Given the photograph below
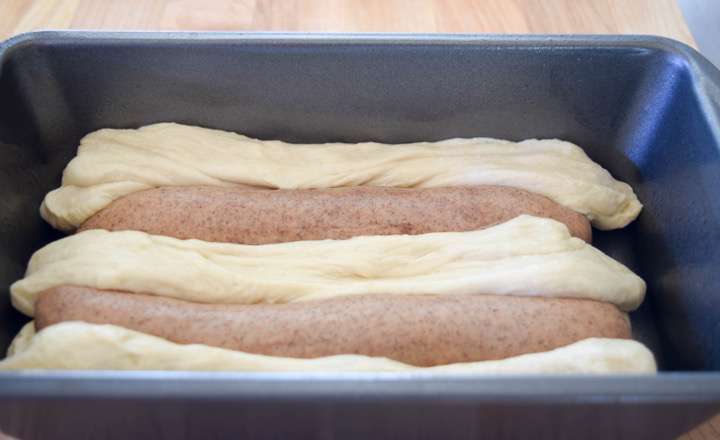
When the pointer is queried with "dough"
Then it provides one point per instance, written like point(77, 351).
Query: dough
point(113, 163)
point(423, 330)
point(22, 340)
point(81, 346)
point(525, 256)
point(262, 216)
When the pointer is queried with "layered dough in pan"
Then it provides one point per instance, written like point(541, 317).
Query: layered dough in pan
point(113, 163)
point(339, 297)
point(198, 249)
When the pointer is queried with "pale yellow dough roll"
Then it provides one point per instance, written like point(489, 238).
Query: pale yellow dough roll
point(82, 346)
point(112, 163)
point(525, 256)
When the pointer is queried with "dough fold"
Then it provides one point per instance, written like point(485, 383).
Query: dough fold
point(525, 256)
point(112, 163)
point(81, 346)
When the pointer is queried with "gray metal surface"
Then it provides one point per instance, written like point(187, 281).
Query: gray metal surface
point(645, 108)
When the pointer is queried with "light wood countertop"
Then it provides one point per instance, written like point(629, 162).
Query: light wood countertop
point(659, 17)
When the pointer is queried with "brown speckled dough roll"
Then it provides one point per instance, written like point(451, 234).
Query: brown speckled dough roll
point(415, 329)
point(260, 216)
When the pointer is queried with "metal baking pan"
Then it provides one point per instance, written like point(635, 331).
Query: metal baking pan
point(646, 108)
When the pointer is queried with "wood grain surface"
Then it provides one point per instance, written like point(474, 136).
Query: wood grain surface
point(658, 17)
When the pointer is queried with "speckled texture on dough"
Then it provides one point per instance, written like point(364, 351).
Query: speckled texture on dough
point(526, 256)
point(256, 216)
point(114, 163)
point(83, 346)
point(421, 330)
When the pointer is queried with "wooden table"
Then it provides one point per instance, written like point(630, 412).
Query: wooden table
point(658, 17)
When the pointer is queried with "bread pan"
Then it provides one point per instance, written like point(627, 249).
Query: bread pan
point(645, 108)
